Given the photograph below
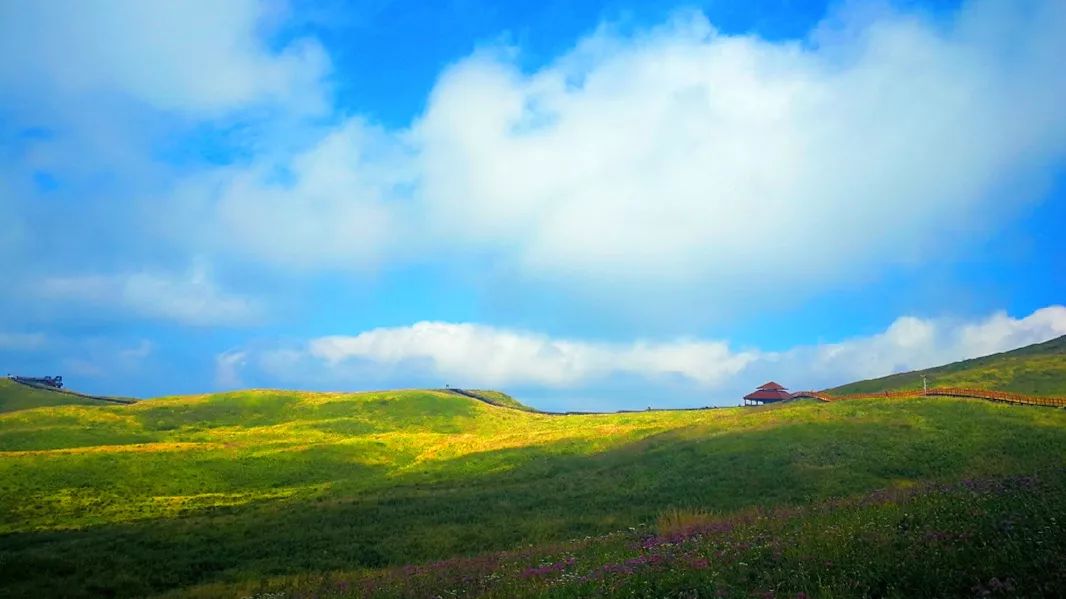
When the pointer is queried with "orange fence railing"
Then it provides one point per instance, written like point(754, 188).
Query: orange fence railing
point(1004, 396)
point(1018, 398)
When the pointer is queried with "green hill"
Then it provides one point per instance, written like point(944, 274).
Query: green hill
point(14, 396)
point(235, 488)
point(299, 494)
point(497, 398)
point(1038, 369)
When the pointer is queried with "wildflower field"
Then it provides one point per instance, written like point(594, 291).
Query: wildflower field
point(977, 537)
point(428, 493)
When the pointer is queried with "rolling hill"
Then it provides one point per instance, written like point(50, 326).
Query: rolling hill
point(14, 396)
point(430, 492)
point(1038, 369)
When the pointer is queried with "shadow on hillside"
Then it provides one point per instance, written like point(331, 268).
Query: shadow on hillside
point(501, 499)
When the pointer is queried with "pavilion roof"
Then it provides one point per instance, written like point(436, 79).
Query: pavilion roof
point(769, 394)
point(771, 386)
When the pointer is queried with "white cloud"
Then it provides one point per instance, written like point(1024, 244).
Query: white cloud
point(670, 372)
point(678, 160)
point(688, 158)
point(199, 57)
point(685, 154)
point(1000, 331)
point(191, 298)
point(119, 101)
point(487, 355)
point(328, 206)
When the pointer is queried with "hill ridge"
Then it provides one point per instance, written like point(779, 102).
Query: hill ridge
point(1038, 369)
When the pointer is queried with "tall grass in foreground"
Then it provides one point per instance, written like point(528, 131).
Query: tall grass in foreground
point(676, 520)
point(986, 537)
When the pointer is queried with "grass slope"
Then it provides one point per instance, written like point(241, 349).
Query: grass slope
point(15, 396)
point(1038, 369)
point(216, 494)
point(975, 538)
point(500, 399)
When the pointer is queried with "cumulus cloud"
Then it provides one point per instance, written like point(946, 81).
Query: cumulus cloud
point(471, 355)
point(107, 106)
point(677, 160)
point(684, 155)
point(190, 298)
point(328, 206)
point(492, 356)
point(198, 57)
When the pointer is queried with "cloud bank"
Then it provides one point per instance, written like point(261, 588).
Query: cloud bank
point(675, 161)
point(670, 373)
point(672, 160)
point(494, 356)
point(687, 157)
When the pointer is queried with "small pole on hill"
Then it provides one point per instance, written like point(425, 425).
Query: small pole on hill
point(925, 386)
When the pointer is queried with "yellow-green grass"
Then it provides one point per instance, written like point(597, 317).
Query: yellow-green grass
point(233, 488)
point(1038, 369)
point(16, 396)
point(978, 537)
point(499, 398)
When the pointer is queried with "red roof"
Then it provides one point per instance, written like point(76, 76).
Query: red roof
point(771, 386)
point(769, 395)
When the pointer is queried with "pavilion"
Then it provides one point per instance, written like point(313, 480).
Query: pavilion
point(769, 393)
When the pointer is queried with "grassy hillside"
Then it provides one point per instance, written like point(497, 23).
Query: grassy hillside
point(14, 396)
point(227, 494)
point(497, 398)
point(986, 537)
point(1035, 369)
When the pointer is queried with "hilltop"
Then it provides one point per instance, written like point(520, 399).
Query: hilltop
point(1038, 369)
point(496, 398)
point(14, 396)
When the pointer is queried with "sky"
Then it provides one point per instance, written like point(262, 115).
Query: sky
point(589, 205)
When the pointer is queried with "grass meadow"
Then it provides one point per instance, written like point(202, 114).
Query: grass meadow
point(304, 494)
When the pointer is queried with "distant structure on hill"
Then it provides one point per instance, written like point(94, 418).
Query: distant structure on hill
point(769, 393)
point(55, 382)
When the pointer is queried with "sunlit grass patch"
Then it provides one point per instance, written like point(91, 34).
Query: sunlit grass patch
point(676, 520)
point(173, 504)
point(122, 448)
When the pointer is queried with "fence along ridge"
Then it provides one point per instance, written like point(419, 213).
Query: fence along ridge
point(1003, 396)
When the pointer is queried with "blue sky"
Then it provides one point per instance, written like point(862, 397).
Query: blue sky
point(589, 205)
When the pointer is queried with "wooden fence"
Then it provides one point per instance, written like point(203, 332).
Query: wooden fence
point(1003, 396)
point(1017, 398)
